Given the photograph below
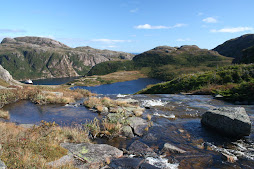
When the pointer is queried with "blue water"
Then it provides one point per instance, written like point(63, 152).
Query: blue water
point(53, 81)
point(128, 87)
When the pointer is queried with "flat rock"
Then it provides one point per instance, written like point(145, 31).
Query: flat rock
point(2, 165)
point(62, 161)
point(141, 149)
point(171, 148)
point(131, 163)
point(93, 154)
point(232, 121)
point(138, 124)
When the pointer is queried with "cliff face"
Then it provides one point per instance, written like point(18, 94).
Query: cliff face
point(35, 57)
point(234, 47)
point(6, 76)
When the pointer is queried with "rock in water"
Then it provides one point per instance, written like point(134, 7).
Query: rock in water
point(232, 121)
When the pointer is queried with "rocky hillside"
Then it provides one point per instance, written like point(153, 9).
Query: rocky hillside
point(248, 55)
point(36, 57)
point(234, 47)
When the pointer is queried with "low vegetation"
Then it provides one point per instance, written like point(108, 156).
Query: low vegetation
point(42, 95)
point(107, 79)
point(33, 148)
point(233, 82)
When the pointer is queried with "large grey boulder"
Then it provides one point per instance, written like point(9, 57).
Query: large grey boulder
point(6, 76)
point(93, 155)
point(141, 149)
point(232, 121)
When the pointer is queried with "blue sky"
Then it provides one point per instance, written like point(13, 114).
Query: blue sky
point(128, 25)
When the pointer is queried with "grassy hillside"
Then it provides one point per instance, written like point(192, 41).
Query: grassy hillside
point(248, 55)
point(166, 62)
point(234, 82)
point(112, 66)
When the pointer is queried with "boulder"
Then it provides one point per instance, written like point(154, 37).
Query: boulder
point(127, 132)
point(138, 124)
point(93, 154)
point(132, 163)
point(232, 121)
point(171, 148)
point(2, 165)
point(141, 149)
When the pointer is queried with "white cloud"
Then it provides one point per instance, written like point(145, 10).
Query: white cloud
point(232, 30)
point(110, 41)
point(210, 20)
point(12, 31)
point(148, 26)
point(134, 10)
point(184, 40)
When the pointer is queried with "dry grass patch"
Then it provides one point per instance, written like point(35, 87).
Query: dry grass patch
point(4, 114)
point(33, 148)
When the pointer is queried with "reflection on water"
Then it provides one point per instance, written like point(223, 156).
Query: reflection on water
point(128, 87)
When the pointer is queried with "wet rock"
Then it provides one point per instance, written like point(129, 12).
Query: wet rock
point(150, 137)
point(93, 154)
point(140, 149)
point(171, 148)
point(127, 132)
point(132, 163)
point(138, 124)
point(218, 96)
point(129, 101)
point(229, 158)
point(2, 165)
point(231, 121)
point(147, 166)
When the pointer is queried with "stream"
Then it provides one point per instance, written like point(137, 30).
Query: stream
point(176, 120)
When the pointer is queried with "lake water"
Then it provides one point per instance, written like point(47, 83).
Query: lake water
point(53, 81)
point(128, 87)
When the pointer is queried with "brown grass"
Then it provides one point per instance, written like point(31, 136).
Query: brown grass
point(4, 114)
point(33, 148)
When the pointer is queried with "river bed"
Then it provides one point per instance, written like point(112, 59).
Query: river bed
point(176, 120)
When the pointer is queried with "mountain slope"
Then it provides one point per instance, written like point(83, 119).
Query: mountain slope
point(234, 47)
point(36, 57)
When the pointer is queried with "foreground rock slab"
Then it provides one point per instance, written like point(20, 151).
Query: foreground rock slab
point(232, 121)
point(138, 124)
point(140, 149)
point(171, 148)
point(93, 155)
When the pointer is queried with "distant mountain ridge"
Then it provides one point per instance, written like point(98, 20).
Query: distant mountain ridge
point(37, 57)
point(235, 47)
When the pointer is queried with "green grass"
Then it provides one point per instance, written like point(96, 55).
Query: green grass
point(234, 82)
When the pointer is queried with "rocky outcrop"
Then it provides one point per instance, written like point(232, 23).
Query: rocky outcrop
point(231, 121)
point(140, 149)
point(36, 57)
point(6, 76)
point(92, 155)
point(234, 47)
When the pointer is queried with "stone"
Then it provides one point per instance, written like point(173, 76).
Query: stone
point(131, 163)
point(171, 148)
point(229, 158)
point(141, 149)
point(218, 96)
point(150, 137)
point(2, 165)
point(93, 154)
point(129, 101)
point(147, 166)
point(232, 121)
point(127, 132)
point(62, 161)
point(138, 124)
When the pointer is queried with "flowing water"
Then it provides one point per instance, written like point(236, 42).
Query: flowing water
point(176, 120)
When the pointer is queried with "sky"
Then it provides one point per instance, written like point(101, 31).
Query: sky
point(128, 25)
